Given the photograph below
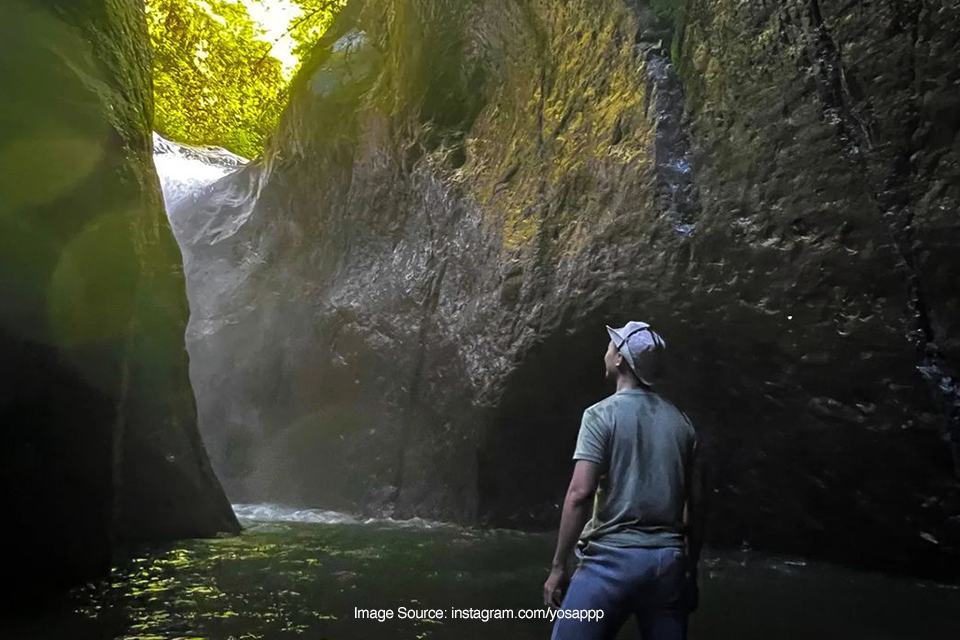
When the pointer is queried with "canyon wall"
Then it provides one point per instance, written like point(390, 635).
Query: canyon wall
point(100, 440)
point(399, 307)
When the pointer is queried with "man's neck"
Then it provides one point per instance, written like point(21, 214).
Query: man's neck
point(627, 382)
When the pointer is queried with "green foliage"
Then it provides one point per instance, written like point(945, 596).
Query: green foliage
point(216, 81)
point(317, 16)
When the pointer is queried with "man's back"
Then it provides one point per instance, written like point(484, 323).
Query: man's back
point(637, 471)
point(644, 445)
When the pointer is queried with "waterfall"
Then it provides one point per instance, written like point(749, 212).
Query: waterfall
point(185, 170)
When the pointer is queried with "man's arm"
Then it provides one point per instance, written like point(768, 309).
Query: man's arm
point(576, 511)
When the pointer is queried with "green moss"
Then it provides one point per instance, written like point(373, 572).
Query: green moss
point(673, 10)
point(566, 113)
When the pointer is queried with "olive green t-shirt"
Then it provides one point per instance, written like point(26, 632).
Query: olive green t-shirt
point(643, 445)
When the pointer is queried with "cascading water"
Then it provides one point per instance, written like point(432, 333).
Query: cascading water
point(184, 170)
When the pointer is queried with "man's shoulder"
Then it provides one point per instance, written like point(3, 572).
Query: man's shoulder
point(680, 413)
point(604, 407)
point(601, 406)
point(683, 421)
point(670, 411)
point(599, 415)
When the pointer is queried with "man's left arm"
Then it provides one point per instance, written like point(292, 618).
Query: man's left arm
point(576, 511)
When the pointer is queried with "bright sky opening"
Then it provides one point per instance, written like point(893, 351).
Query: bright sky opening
point(274, 19)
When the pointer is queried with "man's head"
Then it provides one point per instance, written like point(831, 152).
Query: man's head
point(634, 349)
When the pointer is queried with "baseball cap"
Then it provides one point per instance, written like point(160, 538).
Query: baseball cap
point(641, 347)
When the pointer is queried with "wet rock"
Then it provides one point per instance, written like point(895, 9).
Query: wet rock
point(402, 302)
point(820, 127)
point(100, 441)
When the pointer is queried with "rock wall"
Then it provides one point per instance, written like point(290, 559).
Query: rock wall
point(99, 423)
point(826, 140)
point(399, 308)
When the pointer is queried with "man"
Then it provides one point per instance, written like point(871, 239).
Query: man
point(636, 474)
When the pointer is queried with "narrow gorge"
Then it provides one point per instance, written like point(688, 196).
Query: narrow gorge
point(398, 309)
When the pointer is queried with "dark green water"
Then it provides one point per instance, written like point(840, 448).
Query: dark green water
point(296, 580)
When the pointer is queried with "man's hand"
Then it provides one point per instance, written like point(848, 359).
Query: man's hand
point(555, 586)
point(576, 511)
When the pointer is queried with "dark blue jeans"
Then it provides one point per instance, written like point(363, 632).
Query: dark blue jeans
point(622, 581)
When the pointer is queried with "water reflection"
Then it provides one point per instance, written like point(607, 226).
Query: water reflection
point(304, 579)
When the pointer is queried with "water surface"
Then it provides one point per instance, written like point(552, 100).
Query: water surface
point(301, 574)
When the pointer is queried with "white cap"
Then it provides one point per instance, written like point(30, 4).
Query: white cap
point(641, 347)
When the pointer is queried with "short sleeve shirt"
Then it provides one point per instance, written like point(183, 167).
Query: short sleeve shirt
point(643, 445)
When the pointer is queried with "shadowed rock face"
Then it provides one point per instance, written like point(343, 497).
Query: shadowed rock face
point(400, 307)
point(826, 141)
point(99, 424)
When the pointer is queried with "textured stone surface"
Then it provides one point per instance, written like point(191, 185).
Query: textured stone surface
point(826, 145)
point(99, 423)
point(400, 307)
